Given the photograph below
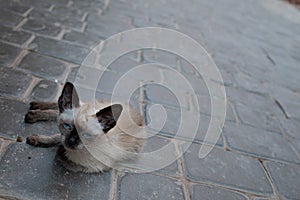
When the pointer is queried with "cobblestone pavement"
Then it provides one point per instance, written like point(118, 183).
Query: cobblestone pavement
point(255, 45)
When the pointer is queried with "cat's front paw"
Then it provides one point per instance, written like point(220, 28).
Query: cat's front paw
point(31, 116)
point(33, 140)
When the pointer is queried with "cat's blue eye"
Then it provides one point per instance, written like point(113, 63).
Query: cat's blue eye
point(67, 126)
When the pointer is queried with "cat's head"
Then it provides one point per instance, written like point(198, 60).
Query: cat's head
point(76, 121)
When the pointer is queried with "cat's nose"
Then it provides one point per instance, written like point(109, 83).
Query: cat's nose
point(72, 141)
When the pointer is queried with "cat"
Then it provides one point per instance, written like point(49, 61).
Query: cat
point(94, 137)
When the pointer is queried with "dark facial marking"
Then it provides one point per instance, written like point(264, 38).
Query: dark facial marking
point(109, 116)
point(72, 140)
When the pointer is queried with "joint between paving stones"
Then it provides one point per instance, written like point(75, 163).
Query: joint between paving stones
point(84, 17)
point(27, 12)
point(61, 34)
point(4, 145)
point(19, 58)
point(18, 26)
point(106, 4)
point(34, 81)
point(142, 101)
point(69, 4)
point(50, 9)
point(185, 183)
point(237, 120)
point(60, 86)
point(114, 185)
point(275, 191)
point(294, 149)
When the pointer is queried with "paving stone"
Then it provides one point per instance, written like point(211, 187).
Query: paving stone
point(43, 28)
point(101, 29)
point(281, 71)
point(106, 81)
point(286, 179)
point(160, 94)
point(11, 117)
point(13, 82)
point(8, 54)
point(148, 186)
point(252, 100)
point(226, 169)
point(83, 39)
point(68, 12)
point(296, 144)
point(47, 16)
point(260, 143)
point(161, 57)
point(17, 37)
point(115, 14)
point(44, 91)
point(156, 143)
point(204, 104)
point(110, 81)
point(259, 119)
point(188, 83)
point(109, 17)
point(209, 192)
point(43, 66)
point(227, 69)
point(186, 67)
point(291, 127)
point(33, 173)
point(37, 4)
point(249, 83)
point(14, 6)
point(56, 3)
point(227, 77)
point(89, 6)
point(142, 74)
point(290, 104)
point(10, 19)
point(167, 121)
point(60, 49)
point(127, 63)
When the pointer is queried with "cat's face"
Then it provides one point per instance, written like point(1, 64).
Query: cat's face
point(76, 122)
point(70, 136)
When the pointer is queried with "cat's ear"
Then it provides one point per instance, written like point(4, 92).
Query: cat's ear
point(69, 98)
point(109, 116)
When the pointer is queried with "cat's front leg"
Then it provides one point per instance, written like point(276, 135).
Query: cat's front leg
point(40, 105)
point(41, 115)
point(44, 140)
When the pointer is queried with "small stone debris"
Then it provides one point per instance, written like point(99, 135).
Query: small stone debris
point(19, 139)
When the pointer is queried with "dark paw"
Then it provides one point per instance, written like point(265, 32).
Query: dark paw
point(31, 117)
point(33, 140)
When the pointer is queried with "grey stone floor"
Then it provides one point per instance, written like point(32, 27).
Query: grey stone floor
point(255, 45)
